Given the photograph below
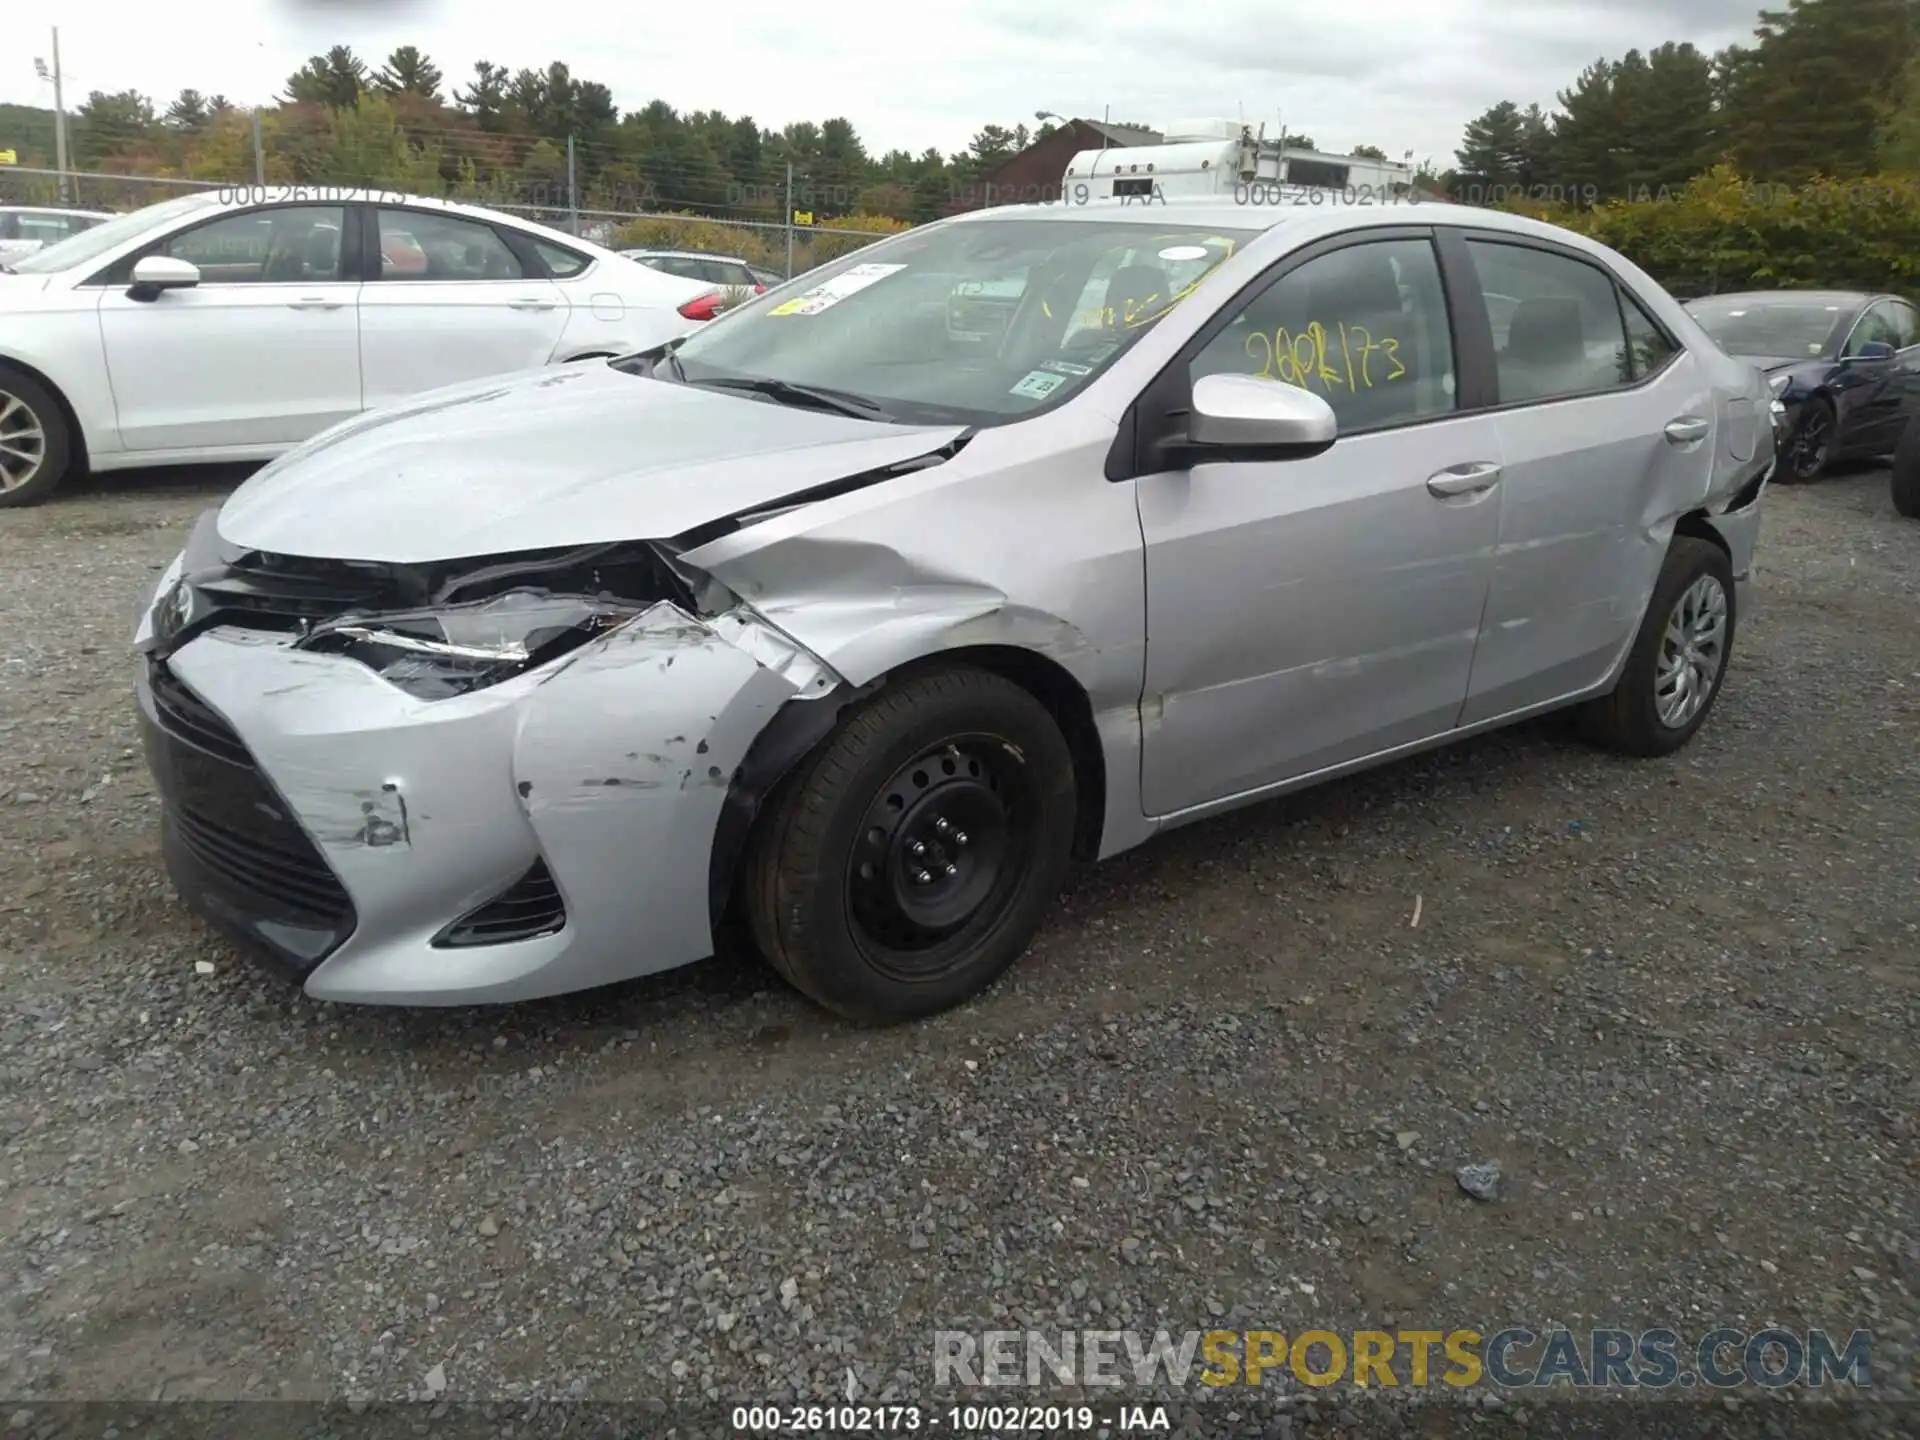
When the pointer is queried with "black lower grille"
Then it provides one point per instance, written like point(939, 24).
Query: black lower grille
point(233, 845)
point(302, 883)
point(529, 908)
point(190, 718)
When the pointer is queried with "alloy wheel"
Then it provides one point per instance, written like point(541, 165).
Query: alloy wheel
point(23, 442)
point(1692, 650)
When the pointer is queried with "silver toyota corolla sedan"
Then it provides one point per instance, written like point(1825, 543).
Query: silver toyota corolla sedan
point(859, 628)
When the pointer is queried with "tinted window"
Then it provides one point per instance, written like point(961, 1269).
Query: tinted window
point(1562, 333)
point(563, 263)
point(418, 246)
point(294, 244)
point(1648, 347)
point(1906, 323)
point(1365, 326)
point(1877, 324)
point(675, 265)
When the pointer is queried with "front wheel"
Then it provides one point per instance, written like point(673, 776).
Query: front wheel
point(1809, 449)
point(909, 860)
point(34, 446)
point(1679, 659)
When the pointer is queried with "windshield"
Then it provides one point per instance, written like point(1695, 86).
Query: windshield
point(978, 322)
point(1770, 329)
point(91, 244)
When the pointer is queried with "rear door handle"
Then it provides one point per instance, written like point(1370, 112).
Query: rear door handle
point(1464, 479)
point(1687, 429)
point(529, 304)
point(314, 302)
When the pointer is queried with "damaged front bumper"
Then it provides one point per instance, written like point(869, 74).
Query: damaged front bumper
point(546, 834)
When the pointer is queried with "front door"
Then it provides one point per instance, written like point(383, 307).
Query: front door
point(452, 302)
point(1307, 613)
point(264, 351)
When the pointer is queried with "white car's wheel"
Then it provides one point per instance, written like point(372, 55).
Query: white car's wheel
point(34, 447)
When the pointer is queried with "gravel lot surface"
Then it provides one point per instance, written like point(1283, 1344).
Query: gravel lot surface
point(1675, 1002)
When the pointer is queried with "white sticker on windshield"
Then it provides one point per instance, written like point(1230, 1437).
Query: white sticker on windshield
point(1184, 252)
point(832, 292)
point(1038, 384)
point(1067, 367)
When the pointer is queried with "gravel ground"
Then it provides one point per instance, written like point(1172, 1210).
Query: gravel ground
point(1674, 1001)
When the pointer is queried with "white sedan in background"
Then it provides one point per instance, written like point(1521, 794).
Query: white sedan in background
point(231, 325)
point(27, 228)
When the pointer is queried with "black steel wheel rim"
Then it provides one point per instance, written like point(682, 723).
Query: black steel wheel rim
point(1810, 443)
point(939, 855)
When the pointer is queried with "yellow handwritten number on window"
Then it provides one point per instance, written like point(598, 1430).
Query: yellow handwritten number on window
point(1308, 357)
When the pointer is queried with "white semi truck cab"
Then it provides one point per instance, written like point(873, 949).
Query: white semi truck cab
point(1227, 157)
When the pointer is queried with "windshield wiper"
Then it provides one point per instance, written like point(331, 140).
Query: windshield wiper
point(838, 401)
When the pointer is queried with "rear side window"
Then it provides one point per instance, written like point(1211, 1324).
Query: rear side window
point(563, 263)
point(1648, 348)
point(1557, 330)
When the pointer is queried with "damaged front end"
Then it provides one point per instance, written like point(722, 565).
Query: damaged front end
point(462, 781)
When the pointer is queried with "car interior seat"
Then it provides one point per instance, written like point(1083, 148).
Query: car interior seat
point(1546, 350)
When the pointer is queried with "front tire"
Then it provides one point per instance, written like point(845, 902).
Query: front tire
point(1679, 659)
point(1906, 474)
point(908, 861)
point(35, 449)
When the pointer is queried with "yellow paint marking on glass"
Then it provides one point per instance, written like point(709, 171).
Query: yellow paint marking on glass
point(1308, 356)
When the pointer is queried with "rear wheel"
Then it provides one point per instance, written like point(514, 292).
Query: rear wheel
point(1809, 449)
point(34, 445)
point(1679, 658)
point(909, 860)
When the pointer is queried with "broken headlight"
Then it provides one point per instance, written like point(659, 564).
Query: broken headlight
point(434, 654)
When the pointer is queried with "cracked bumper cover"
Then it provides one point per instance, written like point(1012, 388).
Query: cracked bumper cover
point(611, 767)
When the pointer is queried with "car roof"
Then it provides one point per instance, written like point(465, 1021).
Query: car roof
point(247, 197)
point(688, 255)
point(55, 210)
point(1803, 297)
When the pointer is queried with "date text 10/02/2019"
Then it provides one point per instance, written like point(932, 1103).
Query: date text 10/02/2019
point(952, 1420)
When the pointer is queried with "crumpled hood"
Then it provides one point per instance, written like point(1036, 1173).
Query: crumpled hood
point(564, 455)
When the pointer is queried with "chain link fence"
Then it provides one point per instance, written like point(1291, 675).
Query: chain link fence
point(788, 249)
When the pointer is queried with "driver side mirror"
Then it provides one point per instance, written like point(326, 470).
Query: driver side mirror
point(1259, 419)
point(1873, 350)
point(153, 274)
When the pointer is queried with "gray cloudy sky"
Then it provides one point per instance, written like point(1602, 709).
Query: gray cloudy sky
point(1400, 74)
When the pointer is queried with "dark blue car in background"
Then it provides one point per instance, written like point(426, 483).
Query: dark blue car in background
point(1844, 364)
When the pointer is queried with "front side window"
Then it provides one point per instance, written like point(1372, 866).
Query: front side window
point(1906, 324)
point(291, 244)
point(1558, 331)
point(1876, 325)
point(417, 246)
point(978, 322)
point(1365, 327)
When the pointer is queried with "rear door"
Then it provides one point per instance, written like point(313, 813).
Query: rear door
point(451, 298)
point(1876, 395)
point(1605, 421)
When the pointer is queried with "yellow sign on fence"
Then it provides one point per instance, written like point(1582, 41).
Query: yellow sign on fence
point(9, 157)
point(803, 217)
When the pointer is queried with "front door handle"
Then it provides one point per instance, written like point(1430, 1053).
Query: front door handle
point(1464, 479)
point(1687, 429)
point(526, 304)
point(314, 302)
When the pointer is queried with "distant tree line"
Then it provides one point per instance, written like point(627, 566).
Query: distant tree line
point(1827, 88)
